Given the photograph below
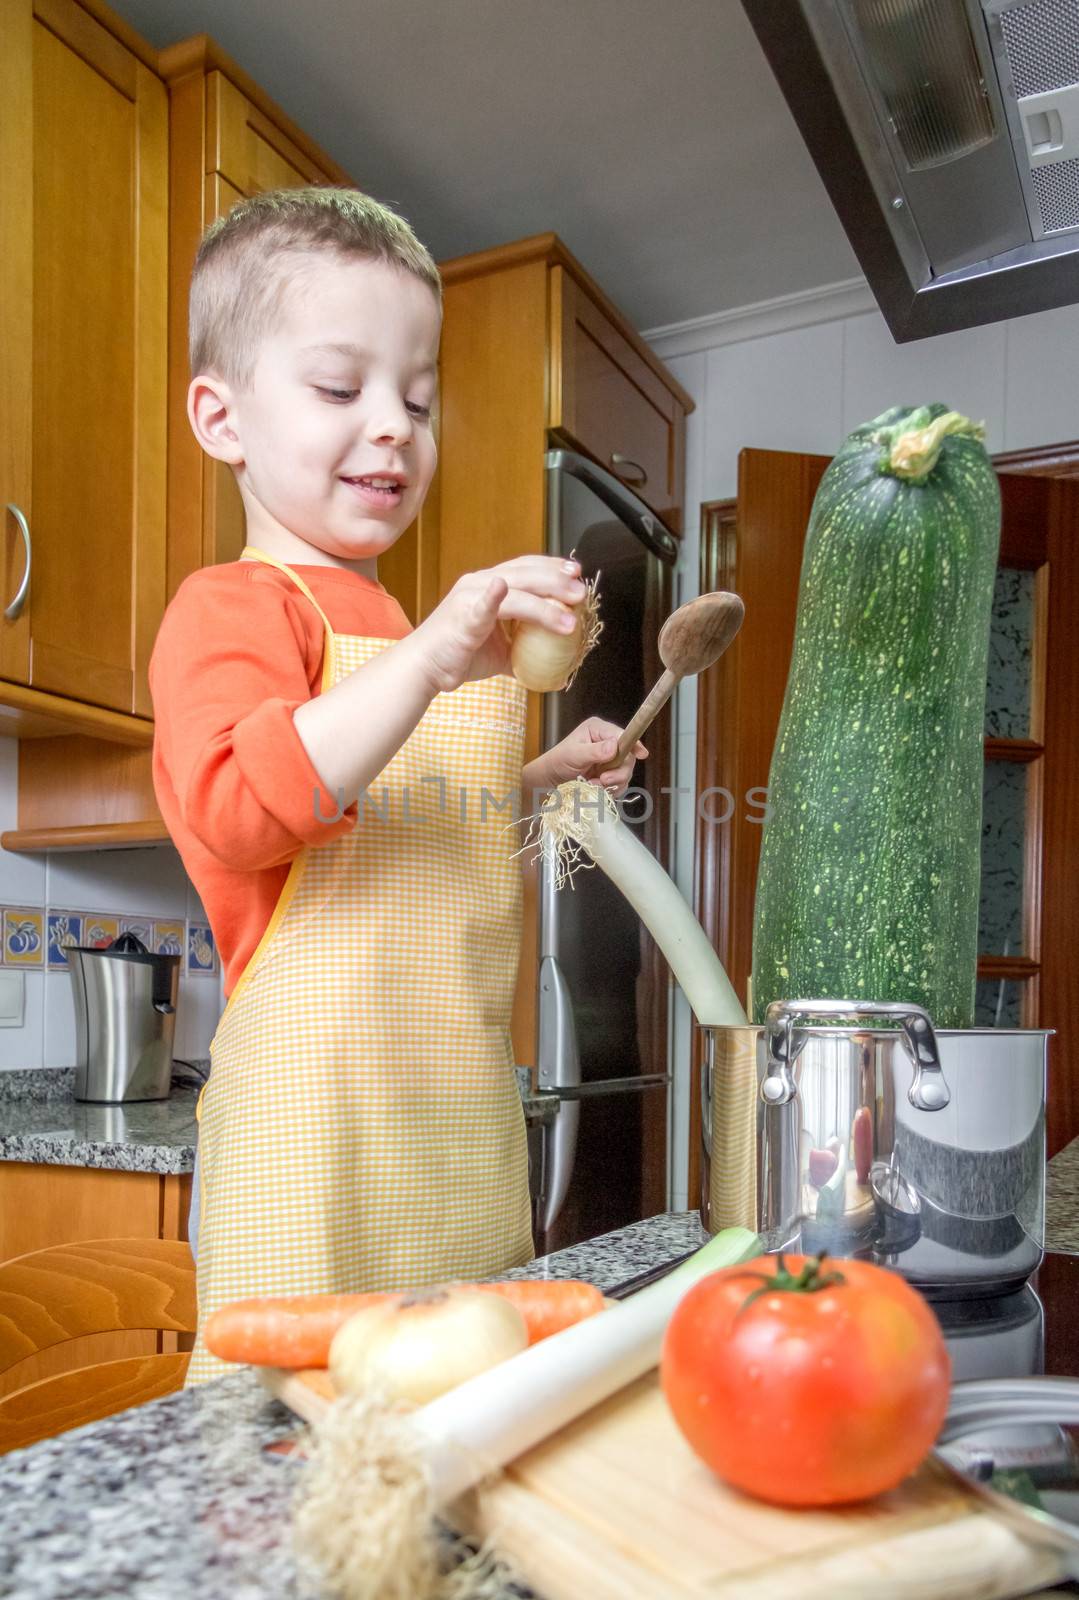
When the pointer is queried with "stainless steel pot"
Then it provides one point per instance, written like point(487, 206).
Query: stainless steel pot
point(918, 1148)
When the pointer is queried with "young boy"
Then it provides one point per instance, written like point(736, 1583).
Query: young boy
point(333, 780)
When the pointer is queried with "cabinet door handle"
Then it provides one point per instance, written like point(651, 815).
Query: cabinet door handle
point(619, 462)
point(12, 611)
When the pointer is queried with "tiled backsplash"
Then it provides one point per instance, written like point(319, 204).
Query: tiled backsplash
point(46, 1037)
point(35, 937)
point(88, 897)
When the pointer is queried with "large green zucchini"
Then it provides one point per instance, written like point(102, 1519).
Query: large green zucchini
point(870, 858)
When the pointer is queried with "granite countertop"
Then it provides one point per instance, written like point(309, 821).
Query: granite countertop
point(1062, 1200)
point(188, 1494)
point(183, 1495)
point(42, 1123)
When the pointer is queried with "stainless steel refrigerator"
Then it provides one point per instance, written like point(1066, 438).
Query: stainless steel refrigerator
point(602, 1001)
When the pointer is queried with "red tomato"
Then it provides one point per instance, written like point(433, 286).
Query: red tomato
point(806, 1383)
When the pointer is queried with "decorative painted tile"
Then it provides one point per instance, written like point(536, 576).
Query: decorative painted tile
point(168, 939)
point(65, 930)
point(99, 931)
point(201, 953)
point(24, 937)
point(141, 927)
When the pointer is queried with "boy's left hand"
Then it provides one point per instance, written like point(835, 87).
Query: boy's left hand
point(587, 752)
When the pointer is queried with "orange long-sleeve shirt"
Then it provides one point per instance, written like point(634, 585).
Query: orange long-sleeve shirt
point(238, 650)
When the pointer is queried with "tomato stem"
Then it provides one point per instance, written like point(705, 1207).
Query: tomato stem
point(810, 1280)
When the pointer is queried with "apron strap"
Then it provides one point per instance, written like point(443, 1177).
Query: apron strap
point(250, 553)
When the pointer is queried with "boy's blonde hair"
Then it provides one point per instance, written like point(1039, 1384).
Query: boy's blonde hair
point(242, 269)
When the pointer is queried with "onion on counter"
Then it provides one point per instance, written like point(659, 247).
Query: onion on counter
point(415, 1347)
point(546, 661)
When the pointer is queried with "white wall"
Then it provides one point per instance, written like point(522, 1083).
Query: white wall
point(147, 884)
point(799, 374)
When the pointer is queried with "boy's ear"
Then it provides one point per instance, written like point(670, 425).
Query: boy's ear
point(209, 411)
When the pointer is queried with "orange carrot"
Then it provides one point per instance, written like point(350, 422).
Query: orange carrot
point(547, 1304)
point(281, 1331)
point(297, 1330)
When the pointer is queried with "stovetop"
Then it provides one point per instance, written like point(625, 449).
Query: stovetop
point(1019, 1335)
point(1028, 1334)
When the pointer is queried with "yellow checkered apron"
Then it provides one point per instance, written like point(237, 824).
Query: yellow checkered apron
point(362, 1127)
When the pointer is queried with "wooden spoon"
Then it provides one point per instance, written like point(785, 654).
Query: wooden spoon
point(690, 640)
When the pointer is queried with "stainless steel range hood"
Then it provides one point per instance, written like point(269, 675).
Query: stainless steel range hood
point(947, 133)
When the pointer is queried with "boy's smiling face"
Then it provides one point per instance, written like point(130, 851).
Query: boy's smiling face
point(331, 438)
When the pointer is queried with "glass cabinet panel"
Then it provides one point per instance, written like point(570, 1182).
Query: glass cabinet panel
point(1004, 799)
point(998, 1003)
point(1011, 648)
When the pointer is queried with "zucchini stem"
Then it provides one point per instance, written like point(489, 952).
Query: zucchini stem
point(913, 451)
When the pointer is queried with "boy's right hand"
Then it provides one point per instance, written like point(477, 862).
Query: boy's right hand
point(463, 638)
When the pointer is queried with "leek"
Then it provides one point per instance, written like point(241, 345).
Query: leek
point(377, 1475)
point(491, 1419)
point(585, 819)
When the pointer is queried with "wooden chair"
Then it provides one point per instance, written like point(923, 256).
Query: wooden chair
point(48, 1297)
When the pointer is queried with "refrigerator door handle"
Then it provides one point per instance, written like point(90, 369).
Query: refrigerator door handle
point(606, 1086)
point(559, 1064)
point(559, 1069)
point(618, 497)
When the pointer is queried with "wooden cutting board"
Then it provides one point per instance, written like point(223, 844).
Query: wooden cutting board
point(617, 1507)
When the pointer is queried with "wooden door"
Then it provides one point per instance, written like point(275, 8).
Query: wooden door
point(90, 353)
point(1030, 834)
point(754, 546)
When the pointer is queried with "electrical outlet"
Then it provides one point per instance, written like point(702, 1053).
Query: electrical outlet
point(12, 999)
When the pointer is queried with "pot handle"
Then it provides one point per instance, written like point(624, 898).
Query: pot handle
point(928, 1090)
point(785, 1044)
point(708, 1073)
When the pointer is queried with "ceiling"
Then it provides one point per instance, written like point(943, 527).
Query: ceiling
point(649, 134)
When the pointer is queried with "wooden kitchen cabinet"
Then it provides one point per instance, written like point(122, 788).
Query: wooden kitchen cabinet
point(83, 368)
point(46, 1205)
point(228, 140)
point(534, 354)
point(83, 281)
point(216, 137)
point(609, 401)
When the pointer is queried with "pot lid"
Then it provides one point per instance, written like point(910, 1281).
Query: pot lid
point(1016, 1443)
